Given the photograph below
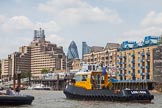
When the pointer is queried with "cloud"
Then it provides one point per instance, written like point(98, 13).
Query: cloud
point(17, 23)
point(115, 1)
point(152, 19)
point(153, 31)
point(150, 25)
point(24, 23)
point(2, 19)
point(9, 45)
point(48, 26)
point(58, 40)
point(55, 6)
point(55, 39)
point(76, 11)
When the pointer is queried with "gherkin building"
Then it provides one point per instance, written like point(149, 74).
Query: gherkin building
point(72, 51)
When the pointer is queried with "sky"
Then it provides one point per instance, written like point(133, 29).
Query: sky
point(97, 22)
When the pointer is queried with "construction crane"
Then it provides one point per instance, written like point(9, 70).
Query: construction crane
point(151, 40)
point(128, 45)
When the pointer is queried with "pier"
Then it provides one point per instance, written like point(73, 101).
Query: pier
point(54, 84)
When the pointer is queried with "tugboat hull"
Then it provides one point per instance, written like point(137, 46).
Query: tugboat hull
point(73, 92)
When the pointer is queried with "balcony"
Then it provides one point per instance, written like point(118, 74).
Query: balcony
point(124, 62)
point(148, 53)
point(124, 56)
point(142, 54)
point(148, 67)
point(120, 74)
point(148, 59)
point(142, 74)
point(124, 74)
point(124, 68)
point(147, 73)
point(120, 68)
point(133, 74)
point(133, 55)
point(142, 60)
point(119, 62)
point(132, 68)
point(120, 57)
point(142, 67)
point(133, 61)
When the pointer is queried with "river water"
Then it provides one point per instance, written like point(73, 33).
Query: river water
point(56, 99)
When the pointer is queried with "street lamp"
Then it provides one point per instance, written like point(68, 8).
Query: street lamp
point(14, 74)
point(66, 65)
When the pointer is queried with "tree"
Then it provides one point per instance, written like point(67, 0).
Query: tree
point(44, 71)
point(27, 75)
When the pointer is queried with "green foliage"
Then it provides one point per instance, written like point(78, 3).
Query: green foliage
point(44, 71)
point(25, 74)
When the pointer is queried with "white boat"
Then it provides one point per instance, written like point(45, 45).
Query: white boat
point(39, 87)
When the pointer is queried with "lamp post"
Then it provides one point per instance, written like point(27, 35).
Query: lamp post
point(14, 74)
point(66, 65)
point(18, 75)
point(9, 71)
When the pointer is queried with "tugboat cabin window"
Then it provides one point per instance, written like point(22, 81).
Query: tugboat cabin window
point(78, 78)
point(81, 77)
point(84, 77)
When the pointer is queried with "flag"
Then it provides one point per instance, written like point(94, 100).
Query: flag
point(103, 70)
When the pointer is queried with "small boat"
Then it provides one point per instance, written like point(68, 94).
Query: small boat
point(16, 99)
point(38, 87)
point(94, 85)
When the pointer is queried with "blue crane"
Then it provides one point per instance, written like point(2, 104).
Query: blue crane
point(128, 45)
point(151, 40)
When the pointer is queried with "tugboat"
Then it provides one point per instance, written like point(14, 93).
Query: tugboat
point(94, 85)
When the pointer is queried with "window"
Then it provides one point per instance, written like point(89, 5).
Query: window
point(84, 77)
point(128, 72)
point(89, 67)
point(129, 65)
point(78, 78)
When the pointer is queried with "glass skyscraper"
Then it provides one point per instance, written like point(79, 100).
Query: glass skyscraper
point(85, 48)
point(72, 51)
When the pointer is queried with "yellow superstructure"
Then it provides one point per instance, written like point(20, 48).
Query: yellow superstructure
point(92, 80)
